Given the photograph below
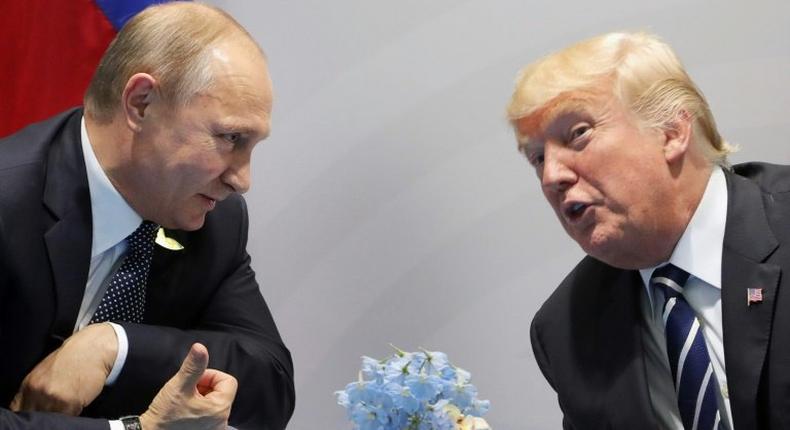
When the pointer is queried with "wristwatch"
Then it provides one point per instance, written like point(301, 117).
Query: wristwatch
point(131, 422)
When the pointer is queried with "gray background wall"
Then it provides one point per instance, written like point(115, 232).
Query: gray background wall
point(390, 204)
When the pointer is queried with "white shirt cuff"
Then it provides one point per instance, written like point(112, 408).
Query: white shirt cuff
point(120, 360)
point(116, 425)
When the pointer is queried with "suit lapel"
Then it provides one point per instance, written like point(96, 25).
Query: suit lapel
point(621, 352)
point(624, 321)
point(748, 242)
point(68, 237)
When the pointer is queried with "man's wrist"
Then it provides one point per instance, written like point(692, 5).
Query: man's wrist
point(146, 422)
point(120, 356)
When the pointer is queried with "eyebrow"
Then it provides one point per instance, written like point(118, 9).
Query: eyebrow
point(237, 127)
point(550, 111)
point(563, 107)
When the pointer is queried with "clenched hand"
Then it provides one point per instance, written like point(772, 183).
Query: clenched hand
point(72, 376)
point(195, 398)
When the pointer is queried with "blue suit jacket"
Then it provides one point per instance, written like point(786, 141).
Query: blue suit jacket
point(206, 292)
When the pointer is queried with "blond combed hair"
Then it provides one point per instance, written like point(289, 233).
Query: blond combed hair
point(170, 42)
point(642, 71)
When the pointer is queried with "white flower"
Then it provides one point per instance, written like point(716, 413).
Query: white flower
point(465, 422)
point(473, 423)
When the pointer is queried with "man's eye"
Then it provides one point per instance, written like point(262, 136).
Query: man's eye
point(579, 131)
point(535, 159)
point(233, 138)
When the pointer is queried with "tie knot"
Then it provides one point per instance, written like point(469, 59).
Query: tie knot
point(670, 278)
point(143, 236)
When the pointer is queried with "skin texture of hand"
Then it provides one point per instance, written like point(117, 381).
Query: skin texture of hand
point(72, 376)
point(196, 398)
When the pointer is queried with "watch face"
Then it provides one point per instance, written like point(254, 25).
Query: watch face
point(131, 423)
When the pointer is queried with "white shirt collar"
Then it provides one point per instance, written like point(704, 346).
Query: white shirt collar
point(699, 250)
point(113, 218)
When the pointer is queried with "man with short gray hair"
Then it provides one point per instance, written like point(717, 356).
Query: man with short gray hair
point(123, 242)
point(672, 319)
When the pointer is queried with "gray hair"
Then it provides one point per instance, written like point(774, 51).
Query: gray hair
point(170, 42)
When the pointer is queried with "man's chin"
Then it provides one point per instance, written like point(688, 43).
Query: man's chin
point(197, 225)
point(602, 248)
point(187, 224)
point(617, 255)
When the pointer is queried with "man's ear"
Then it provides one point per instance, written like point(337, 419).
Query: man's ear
point(138, 94)
point(678, 134)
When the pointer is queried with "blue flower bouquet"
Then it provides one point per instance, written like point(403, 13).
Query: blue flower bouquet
point(413, 391)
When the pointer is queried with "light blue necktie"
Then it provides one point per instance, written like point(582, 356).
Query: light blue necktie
point(692, 372)
point(124, 299)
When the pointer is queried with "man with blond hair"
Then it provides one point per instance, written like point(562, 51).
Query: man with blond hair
point(123, 242)
point(673, 319)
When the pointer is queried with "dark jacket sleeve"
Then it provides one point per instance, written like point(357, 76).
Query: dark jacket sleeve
point(36, 420)
point(43, 420)
point(231, 319)
point(544, 365)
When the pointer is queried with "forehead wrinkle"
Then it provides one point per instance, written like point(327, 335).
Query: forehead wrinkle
point(240, 95)
point(236, 89)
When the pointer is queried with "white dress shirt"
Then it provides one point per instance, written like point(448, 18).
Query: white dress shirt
point(113, 220)
point(699, 253)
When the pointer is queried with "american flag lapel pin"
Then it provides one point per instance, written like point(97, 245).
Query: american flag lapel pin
point(754, 295)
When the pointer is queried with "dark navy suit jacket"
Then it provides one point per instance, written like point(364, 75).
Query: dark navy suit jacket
point(206, 292)
point(587, 337)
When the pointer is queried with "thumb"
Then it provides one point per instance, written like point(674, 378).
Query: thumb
point(192, 368)
point(16, 404)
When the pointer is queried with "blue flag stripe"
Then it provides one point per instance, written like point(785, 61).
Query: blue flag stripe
point(119, 11)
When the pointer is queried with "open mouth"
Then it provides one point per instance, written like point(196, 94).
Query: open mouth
point(575, 211)
point(210, 203)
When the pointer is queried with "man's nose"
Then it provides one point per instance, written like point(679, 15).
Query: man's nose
point(237, 175)
point(557, 174)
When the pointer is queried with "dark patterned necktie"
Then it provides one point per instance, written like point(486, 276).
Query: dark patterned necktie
point(692, 372)
point(124, 299)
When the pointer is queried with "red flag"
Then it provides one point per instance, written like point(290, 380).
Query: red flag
point(48, 52)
